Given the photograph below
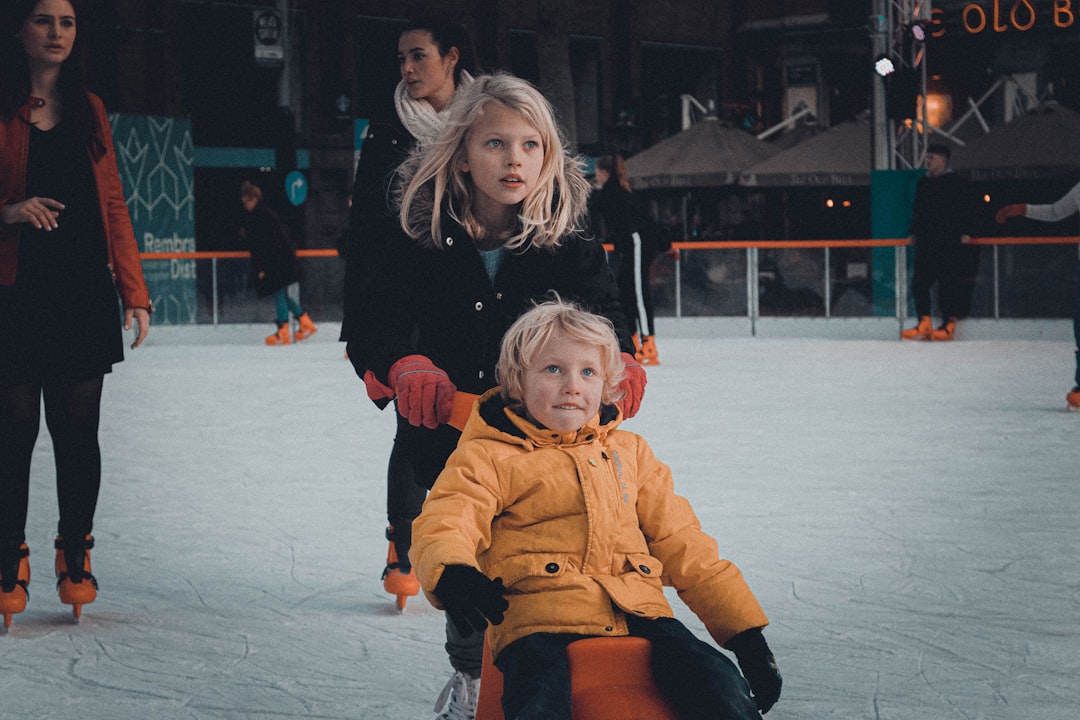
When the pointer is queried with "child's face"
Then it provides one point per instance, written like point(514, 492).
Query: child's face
point(503, 155)
point(564, 384)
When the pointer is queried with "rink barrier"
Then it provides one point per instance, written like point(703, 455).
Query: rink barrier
point(752, 248)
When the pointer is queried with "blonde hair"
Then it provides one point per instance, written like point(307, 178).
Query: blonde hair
point(432, 179)
point(531, 332)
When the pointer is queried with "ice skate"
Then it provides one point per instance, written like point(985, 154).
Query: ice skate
point(76, 587)
point(398, 579)
point(14, 579)
point(457, 701)
point(281, 337)
point(306, 328)
point(946, 331)
point(648, 355)
point(1072, 399)
point(922, 331)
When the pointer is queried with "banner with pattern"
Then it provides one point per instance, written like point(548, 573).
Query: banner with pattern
point(156, 157)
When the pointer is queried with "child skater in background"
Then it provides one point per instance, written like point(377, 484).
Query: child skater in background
point(493, 210)
point(582, 521)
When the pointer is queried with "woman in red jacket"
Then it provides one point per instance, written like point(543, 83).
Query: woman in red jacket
point(66, 249)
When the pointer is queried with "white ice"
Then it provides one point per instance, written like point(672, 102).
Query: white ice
point(907, 514)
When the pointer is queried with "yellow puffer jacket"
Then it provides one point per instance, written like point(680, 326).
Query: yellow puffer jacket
point(581, 527)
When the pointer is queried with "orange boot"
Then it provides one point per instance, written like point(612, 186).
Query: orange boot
point(1072, 399)
point(946, 331)
point(648, 354)
point(306, 329)
point(398, 580)
point(14, 579)
point(281, 337)
point(79, 587)
point(921, 331)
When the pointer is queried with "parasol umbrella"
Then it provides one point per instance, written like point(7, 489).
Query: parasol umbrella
point(840, 155)
point(707, 154)
point(1043, 143)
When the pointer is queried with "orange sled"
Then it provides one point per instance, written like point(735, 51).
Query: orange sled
point(609, 678)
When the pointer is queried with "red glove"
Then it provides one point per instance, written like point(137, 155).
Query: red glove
point(376, 391)
point(632, 386)
point(425, 395)
point(1016, 210)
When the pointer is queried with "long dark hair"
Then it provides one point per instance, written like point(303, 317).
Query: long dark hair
point(447, 34)
point(15, 73)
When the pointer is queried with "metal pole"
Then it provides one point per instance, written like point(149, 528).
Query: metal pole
point(213, 291)
point(997, 290)
point(828, 283)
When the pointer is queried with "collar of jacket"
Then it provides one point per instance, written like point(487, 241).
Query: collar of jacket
point(499, 418)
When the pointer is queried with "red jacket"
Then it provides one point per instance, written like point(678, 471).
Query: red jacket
point(123, 248)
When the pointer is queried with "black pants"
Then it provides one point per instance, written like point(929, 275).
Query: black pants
point(951, 266)
point(632, 305)
point(72, 412)
point(417, 458)
point(698, 680)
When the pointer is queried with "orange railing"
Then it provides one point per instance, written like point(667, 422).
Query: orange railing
point(752, 248)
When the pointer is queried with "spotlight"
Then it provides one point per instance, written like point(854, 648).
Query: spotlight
point(918, 31)
point(884, 66)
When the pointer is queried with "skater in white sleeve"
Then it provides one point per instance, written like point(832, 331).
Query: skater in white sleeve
point(1068, 204)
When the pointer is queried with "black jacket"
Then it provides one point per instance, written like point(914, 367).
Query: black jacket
point(372, 219)
point(441, 303)
point(273, 252)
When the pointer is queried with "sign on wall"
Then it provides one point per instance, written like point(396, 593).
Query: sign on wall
point(156, 158)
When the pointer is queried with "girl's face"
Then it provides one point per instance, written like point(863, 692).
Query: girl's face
point(504, 155)
point(564, 384)
point(427, 74)
point(48, 34)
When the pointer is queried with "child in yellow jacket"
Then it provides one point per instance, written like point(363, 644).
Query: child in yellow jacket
point(581, 522)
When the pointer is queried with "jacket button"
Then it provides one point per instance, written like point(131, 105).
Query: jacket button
point(479, 306)
point(449, 241)
point(644, 569)
point(552, 567)
point(608, 629)
point(498, 296)
point(480, 374)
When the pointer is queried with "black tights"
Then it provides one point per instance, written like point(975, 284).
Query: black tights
point(72, 411)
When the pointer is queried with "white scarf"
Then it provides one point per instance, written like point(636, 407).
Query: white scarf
point(418, 116)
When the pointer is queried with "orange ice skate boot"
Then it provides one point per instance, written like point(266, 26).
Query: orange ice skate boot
point(281, 337)
point(74, 582)
point(306, 329)
point(946, 332)
point(648, 354)
point(922, 331)
point(14, 579)
point(398, 578)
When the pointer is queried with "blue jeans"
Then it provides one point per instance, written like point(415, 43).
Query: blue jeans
point(699, 681)
point(285, 305)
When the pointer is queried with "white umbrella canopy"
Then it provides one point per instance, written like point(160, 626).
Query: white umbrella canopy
point(1043, 143)
point(841, 155)
point(707, 154)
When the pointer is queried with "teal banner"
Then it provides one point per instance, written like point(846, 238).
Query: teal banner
point(892, 194)
point(156, 158)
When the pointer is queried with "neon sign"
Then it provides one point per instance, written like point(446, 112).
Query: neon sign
point(1001, 16)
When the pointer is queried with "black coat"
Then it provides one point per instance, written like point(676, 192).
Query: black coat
point(372, 219)
point(441, 303)
point(273, 253)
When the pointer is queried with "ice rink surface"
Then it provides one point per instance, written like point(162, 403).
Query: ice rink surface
point(907, 513)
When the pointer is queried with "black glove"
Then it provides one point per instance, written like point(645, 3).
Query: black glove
point(470, 598)
point(758, 666)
